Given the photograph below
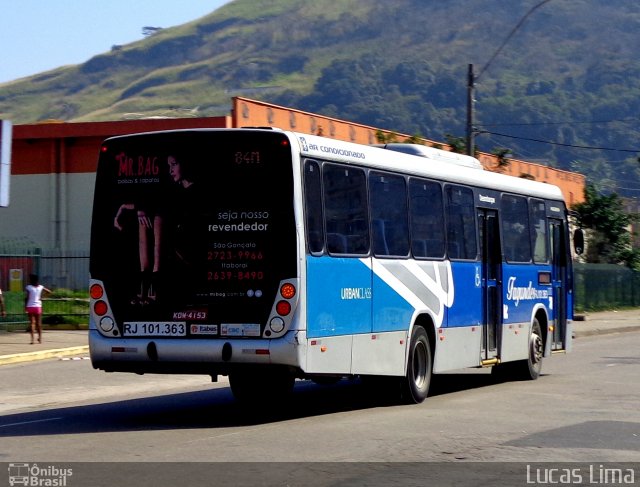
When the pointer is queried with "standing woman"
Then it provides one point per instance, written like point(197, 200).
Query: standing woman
point(3, 309)
point(33, 305)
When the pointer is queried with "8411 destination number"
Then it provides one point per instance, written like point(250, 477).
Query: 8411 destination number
point(146, 328)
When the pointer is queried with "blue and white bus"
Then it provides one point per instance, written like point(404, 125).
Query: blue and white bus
point(268, 256)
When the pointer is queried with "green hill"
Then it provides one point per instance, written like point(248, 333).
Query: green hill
point(564, 89)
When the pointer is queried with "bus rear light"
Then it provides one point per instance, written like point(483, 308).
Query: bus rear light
point(283, 308)
point(106, 324)
point(276, 324)
point(288, 291)
point(96, 291)
point(100, 308)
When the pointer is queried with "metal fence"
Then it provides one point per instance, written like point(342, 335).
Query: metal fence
point(66, 273)
point(605, 286)
point(597, 286)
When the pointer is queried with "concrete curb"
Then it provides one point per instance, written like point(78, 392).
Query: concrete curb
point(17, 358)
point(604, 331)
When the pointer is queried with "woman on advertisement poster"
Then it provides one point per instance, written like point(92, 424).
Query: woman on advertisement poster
point(187, 244)
point(149, 209)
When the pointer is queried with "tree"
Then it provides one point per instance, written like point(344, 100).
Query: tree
point(501, 154)
point(609, 237)
point(457, 144)
point(385, 138)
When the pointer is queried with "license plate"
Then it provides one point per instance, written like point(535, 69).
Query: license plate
point(147, 328)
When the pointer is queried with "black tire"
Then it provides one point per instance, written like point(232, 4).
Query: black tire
point(528, 369)
point(532, 367)
point(261, 386)
point(415, 385)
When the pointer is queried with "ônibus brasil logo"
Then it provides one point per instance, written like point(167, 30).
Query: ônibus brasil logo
point(40, 476)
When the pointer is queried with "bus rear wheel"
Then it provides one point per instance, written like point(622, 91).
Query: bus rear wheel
point(415, 385)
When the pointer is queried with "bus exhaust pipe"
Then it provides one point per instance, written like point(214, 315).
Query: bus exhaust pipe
point(227, 352)
point(152, 352)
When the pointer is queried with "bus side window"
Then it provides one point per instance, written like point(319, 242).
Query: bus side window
point(345, 209)
point(427, 219)
point(389, 214)
point(313, 206)
point(515, 224)
point(336, 243)
point(461, 223)
point(539, 240)
point(378, 238)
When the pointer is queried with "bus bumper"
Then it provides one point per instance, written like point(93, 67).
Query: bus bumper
point(191, 356)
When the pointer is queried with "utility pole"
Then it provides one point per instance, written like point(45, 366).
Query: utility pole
point(470, 101)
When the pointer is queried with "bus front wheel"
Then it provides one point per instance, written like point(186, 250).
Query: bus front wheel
point(532, 367)
point(415, 385)
point(528, 369)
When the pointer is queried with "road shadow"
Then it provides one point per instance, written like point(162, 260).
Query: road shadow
point(217, 408)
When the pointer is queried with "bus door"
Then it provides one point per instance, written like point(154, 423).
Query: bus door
point(559, 282)
point(491, 282)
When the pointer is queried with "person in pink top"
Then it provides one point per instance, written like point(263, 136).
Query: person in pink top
point(33, 306)
point(3, 309)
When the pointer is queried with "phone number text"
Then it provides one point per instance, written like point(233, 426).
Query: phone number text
point(235, 276)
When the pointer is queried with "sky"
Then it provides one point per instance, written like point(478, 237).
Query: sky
point(39, 35)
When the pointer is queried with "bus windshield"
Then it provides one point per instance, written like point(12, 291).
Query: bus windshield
point(193, 228)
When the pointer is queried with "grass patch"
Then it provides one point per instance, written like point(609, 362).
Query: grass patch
point(63, 307)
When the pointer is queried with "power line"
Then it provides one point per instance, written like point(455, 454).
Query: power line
point(513, 31)
point(635, 151)
point(625, 120)
point(472, 78)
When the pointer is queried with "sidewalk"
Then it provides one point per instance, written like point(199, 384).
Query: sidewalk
point(15, 346)
point(604, 322)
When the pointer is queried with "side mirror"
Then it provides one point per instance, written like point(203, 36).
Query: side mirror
point(578, 241)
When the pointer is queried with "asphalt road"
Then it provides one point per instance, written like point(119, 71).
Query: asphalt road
point(66, 411)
